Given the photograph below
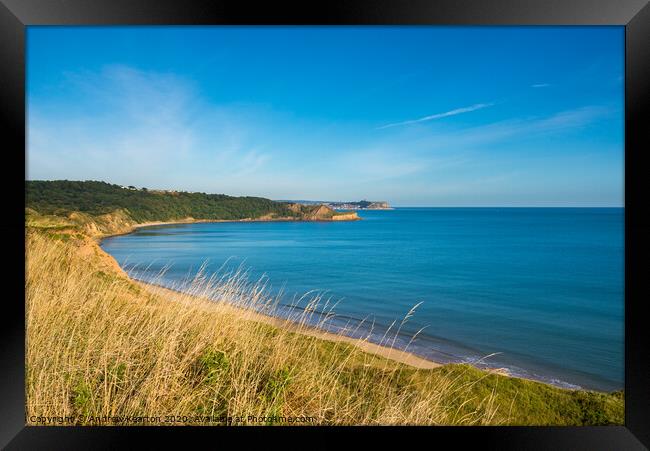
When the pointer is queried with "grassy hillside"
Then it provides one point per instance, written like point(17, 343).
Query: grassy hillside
point(101, 344)
point(63, 197)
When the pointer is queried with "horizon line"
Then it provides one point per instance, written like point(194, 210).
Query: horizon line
point(509, 206)
point(339, 201)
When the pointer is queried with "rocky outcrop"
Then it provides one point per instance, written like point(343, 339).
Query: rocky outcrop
point(320, 213)
point(347, 216)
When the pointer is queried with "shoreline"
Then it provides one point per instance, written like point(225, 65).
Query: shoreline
point(386, 352)
point(394, 354)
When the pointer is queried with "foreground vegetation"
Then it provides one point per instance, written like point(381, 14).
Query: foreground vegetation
point(100, 345)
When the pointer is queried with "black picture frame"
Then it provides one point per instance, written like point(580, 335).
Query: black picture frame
point(634, 15)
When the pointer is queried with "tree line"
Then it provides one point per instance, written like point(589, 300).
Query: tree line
point(62, 197)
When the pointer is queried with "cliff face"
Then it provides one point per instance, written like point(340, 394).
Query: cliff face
point(321, 213)
point(101, 208)
point(120, 222)
point(348, 216)
point(107, 224)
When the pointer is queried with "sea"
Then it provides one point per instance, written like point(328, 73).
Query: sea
point(538, 292)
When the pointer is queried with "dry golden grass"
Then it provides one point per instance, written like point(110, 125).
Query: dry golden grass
point(99, 344)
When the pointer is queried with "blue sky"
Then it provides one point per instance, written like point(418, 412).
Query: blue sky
point(417, 116)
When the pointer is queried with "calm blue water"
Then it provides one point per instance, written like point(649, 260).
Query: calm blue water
point(542, 287)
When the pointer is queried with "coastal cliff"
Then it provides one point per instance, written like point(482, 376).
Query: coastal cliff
point(321, 213)
point(101, 209)
point(120, 223)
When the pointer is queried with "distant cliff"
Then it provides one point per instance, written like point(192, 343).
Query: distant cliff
point(337, 205)
point(360, 205)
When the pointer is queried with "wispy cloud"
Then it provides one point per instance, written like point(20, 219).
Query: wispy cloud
point(147, 128)
point(524, 128)
point(540, 85)
point(570, 119)
point(467, 109)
